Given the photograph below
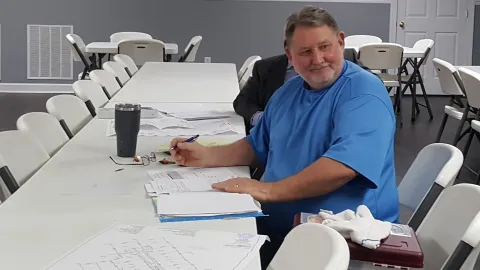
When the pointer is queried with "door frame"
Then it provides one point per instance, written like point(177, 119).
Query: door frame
point(469, 32)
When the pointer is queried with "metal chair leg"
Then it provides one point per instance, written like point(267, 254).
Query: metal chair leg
point(427, 103)
point(442, 127)
point(469, 141)
point(460, 126)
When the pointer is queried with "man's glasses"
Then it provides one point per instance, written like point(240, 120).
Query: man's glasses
point(139, 160)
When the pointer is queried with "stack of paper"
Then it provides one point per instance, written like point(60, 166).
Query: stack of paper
point(171, 127)
point(205, 204)
point(186, 180)
point(187, 194)
point(200, 115)
point(156, 247)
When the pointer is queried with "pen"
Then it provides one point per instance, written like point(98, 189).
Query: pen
point(192, 139)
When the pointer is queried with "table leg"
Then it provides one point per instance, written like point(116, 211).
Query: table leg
point(100, 57)
point(414, 89)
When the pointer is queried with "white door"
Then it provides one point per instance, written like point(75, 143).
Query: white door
point(443, 21)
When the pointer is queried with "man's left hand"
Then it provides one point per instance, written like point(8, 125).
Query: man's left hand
point(260, 191)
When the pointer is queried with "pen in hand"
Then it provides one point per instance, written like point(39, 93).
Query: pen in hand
point(191, 139)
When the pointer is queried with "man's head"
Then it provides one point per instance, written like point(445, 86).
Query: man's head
point(315, 46)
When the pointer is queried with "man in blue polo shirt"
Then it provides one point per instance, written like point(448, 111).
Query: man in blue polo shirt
point(326, 137)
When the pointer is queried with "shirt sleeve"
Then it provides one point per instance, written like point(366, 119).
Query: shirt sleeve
point(259, 137)
point(362, 136)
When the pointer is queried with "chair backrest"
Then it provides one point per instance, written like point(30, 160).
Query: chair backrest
point(128, 62)
point(8, 183)
point(106, 80)
point(22, 153)
point(312, 246)
point(466, 253)
point(448, 77)
point(425, 45)
point(243, 69)
point(381, 55)
point(435, 168)
point(447, 222)
point(91, 93)
point(247, 74)
point(143, 50)
point(191, 50)
point(471, 82)
point(45, 128)
point(119, 36)
point(70, 111)
point(359, 40)
point(118, 71)
point(78, 48)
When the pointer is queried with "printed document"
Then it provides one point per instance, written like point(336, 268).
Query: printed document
point(133, 247)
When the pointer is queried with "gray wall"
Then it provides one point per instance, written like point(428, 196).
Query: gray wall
point(476, 38)
point(231, 30)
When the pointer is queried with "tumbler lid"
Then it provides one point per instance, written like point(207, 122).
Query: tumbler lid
point(127, 107)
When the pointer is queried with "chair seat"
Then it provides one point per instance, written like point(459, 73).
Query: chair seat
point(475, 125)
point(389, 80)
point(456, 113)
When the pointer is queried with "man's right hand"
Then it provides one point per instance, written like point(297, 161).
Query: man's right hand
point(191, 154)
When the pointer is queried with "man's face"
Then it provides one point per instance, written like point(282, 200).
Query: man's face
point(316, 53)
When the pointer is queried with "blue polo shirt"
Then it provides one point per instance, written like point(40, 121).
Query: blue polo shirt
point(352, 122)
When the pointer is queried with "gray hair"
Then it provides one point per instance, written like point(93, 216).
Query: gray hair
point(308, 16)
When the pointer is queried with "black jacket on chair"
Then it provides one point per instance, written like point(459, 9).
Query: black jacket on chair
point(267, 76)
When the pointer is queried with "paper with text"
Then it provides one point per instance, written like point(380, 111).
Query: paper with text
point(172, 127)
point(200, 115)
point(188, 179)
point(129, 247)
point(205, 203)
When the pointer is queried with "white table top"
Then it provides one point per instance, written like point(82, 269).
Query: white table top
point(407, 52)
point(181, 82)
point(78, 194)
point(112, 48)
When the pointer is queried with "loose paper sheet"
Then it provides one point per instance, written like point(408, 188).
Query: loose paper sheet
point(129, 247)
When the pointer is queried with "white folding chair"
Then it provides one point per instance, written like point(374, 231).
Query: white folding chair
point(411, 80)
point(191, 50)
point(80, 54)
point(91, 93)
point(471, 83)
point(118, 71)
point(385, 56)
point(466, 252)
point(434, 169)
point(243, 69)
point(447, 223)
point(130, 66)
point(247, 74)
point(360, 40)
point(22, 153)
point(143, 50)
point(119, 36)
point(70, 111)
point(312, 246)
point(45, 128)
point(107, 81)
point(451, 85)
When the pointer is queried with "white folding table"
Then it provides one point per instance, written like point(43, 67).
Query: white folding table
point(181, 82)
point(100, 49)
point(79, 192)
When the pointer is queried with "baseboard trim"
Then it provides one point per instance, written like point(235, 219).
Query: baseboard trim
point(29, 88)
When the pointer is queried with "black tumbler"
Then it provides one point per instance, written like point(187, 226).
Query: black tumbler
point(127, 126)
